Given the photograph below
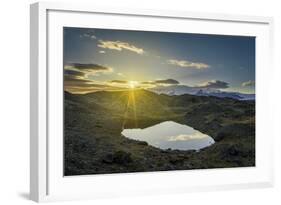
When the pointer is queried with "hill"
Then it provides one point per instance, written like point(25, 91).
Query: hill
point(94, 122)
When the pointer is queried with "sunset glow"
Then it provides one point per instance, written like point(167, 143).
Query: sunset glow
point(145, 101)
point(133, 84)
point(112, 60)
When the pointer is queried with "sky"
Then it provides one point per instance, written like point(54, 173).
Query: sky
point(105, 59)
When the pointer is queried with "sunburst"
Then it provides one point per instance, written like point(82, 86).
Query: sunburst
point(133, 84)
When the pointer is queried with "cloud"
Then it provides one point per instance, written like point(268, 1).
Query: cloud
point(214, 84)
point(119, 46)
point(88, 35)
point(76, 77)
point(121, 74)
point(74, 80)
point(74, 73)
point(101, 52)
point(161, 82)
point(76, 84)
point(167, 81)
point(87, 69)
point(248, 83)
point(148, 83)
point(125, 83)
point(187, 64)
point(86, 66)
point(119, 81)
point(88, 87)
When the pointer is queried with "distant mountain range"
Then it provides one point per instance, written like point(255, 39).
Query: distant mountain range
point(199, 91)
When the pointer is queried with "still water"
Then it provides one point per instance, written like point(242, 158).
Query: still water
point(170, 134)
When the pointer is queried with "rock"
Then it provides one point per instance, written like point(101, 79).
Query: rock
point(228, 152)
point(80, 164)
point(142, 143)
point(169, 167)
point(122, 157)
point(108, 158)
point(188, 166)
point(176, 160)
point(220, 136)
point(233, 151)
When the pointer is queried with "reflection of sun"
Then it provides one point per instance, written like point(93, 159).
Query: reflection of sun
point(133, 84)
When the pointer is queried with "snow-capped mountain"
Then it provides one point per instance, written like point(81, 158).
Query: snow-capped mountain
point(199, 91)
point(223, 94)
point(175, 90)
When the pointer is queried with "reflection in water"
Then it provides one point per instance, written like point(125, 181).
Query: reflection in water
point(171, 135)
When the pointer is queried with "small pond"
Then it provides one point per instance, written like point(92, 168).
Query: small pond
point(170, 134)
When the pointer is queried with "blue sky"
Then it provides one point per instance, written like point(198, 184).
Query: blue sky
point(101, 59)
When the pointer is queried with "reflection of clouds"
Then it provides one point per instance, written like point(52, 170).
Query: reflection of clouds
point(171, 135)
point(185, 137)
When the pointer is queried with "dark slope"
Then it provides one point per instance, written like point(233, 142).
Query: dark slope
point(94, 121)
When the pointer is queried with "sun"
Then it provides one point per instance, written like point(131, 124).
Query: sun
point(133, 84)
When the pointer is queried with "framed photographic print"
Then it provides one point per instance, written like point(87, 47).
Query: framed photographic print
point(127, 102)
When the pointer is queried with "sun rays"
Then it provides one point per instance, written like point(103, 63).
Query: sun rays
point(131, 105)
point(133, 84)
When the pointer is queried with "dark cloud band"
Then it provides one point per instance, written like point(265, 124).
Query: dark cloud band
point(88, 66)
point(215, 84)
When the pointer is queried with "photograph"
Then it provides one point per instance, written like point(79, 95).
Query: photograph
point(146, 101)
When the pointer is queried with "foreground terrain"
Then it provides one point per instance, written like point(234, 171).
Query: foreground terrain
point(94, 122)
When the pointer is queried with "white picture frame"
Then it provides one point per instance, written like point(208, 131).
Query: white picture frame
point(47, 182)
